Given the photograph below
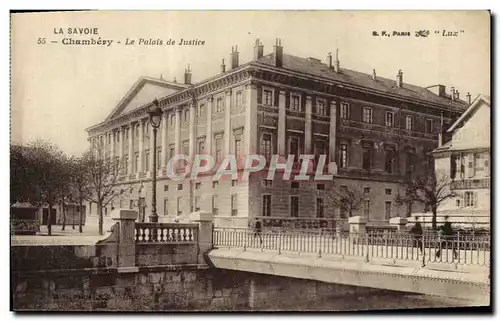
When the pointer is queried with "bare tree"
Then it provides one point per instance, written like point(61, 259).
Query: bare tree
point(430, 190)
point(102, 179)
point(79, 179)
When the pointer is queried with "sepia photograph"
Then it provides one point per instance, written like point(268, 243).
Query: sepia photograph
point(264, 161)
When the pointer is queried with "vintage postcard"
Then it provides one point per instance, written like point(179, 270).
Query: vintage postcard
point(250, 161)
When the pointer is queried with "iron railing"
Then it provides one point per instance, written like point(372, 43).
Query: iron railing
point(459, 250)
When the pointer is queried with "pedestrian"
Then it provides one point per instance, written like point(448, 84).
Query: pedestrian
point(258, 230)
point(416, 232)
point(446, 233)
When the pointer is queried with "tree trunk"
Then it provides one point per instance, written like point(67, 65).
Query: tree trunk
point(99, 212)
point(80, 229)
point(434, 217)
point(63, 210)
point(49, 218)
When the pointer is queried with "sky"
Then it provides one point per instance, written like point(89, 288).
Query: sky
point(58, 91)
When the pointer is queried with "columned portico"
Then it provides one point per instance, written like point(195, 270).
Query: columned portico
point(121, 144)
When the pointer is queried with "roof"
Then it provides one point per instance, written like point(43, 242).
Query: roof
point(319, 69)
point(470, 111)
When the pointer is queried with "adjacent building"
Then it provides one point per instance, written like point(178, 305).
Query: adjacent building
point(376, 134)
point(464, 159)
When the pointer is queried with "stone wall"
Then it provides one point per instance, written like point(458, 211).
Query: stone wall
point(174, 288)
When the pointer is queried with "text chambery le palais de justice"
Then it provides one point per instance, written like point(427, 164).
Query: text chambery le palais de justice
point(85, 36)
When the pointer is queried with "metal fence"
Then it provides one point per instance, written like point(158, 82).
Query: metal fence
point(460, 250)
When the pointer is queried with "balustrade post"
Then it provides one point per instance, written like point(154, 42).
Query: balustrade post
point(126, 240)
point(320, 234)
point(423, 250)
point(205, 227)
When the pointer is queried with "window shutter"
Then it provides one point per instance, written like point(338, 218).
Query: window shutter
point(470, 169)
point(487, 164)
point(475, 198)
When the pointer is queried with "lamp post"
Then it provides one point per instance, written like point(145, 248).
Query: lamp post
point(155, 120)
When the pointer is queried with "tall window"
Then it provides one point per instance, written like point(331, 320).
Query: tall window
point(239, 98)
point(344, 111)
point(478, 163)
point(319, 149)
point(158, 158)
point(165, 206)
point(294, 148)
point(126, 164)
point(266, 146)
point(409, 123)
point(366, 208)
point(266, 205)
point(454, 161)
point(410, 163)
point(388, 205)
point(469, 198)
point(218, 105)
point(218, 149)
point(131, 204)
point(294, 206)
point(201, 147)
point(267, 96)
point(343, 156)
point(367, 115)
point(389, 119)
point(234, 204)
point(172, 119)
point(215, 204)
point(319, 207)
point(295, 103)
point(201, 111)
point(136, 163)
point(146, 161)
point(237, 147)
point(185, 148)
point(389, 161)
point(179, 205)
point(320, 108)
point(428, 126)
point(172, 151)
point(197, 202)
point(367, 155)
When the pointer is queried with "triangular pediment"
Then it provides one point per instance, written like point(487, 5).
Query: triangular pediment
point(142, 93)
point(472, 129)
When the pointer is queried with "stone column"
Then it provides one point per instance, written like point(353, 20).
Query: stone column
point(141, 145)
point(208, 143)
point(113, 143)
point(308, 128)
point(282, 124)
point(251, 139)
point(178, 115)
point(104, 144)
point(131, 149)
point(332, 141)
point(151, 148)
point(227, 124)
point(164, 144)
point(126, 242)
point(122, 144)
point(192, 131)
point(205, 223)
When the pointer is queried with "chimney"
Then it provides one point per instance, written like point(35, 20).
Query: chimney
point(374, 75)
point(234, 57)
point(329, 59)
point(223, 66)
point(337, 62)
point(258, 50)
point(187, 75)
point(468, 98)
point(452, 93)
point(441, 134)
point(278, 53)
point(175, 80)
point(457, 95)
point(399, 79)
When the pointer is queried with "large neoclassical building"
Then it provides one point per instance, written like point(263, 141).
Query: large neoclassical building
point(376, 134)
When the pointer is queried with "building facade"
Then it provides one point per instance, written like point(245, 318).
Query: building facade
point(465, 160)
point(375, 133)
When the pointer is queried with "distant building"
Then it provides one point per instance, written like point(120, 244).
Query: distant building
point(375, 132)
point(464, 157)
